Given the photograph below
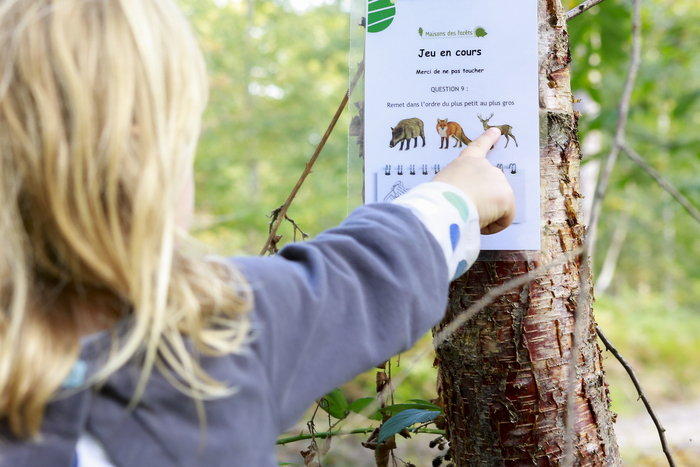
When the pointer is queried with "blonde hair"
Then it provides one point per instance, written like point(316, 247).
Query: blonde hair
point(100, 108)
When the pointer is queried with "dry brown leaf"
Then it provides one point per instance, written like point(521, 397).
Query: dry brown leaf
point(383, 452)
point(310, 458)
point(381, 380)
point(326, 446)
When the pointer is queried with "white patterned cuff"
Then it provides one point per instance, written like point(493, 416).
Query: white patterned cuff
point(451, 217)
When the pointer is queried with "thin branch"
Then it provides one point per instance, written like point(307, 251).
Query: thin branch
point(585, 6)
point(296, 227)
point(466, 315)
point(496, 292)
point(623, 113)
point(422, 426)
point(356, 431)
point(607, 272)
point(309, 165)
point(641, 393)
point(665, 184)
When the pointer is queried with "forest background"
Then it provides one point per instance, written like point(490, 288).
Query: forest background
point(279, 69)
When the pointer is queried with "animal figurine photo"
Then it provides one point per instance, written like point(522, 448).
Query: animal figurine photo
point(405, 130)
point(505, 129)
point(446, 129)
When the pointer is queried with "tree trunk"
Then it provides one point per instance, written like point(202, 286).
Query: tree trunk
point(504, 375)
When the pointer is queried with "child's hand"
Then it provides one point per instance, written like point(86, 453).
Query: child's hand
point(485, 184)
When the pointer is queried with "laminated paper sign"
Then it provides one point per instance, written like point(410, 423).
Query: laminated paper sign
point(438, 72)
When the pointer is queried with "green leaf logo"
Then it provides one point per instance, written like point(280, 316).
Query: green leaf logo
point(480, 32)
point(380, 14)
point(420, 31)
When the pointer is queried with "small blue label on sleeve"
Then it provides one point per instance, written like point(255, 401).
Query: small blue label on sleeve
point(461, 269)
point(454, 235)
point(458, 203)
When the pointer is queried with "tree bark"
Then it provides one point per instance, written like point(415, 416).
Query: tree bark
point(504, 375)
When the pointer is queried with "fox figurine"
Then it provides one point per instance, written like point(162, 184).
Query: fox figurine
point(446, 129)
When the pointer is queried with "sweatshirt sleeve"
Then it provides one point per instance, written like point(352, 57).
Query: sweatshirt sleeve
point(329, 309)
point(453, 220)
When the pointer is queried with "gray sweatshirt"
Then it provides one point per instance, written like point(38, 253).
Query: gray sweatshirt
point(324, 311)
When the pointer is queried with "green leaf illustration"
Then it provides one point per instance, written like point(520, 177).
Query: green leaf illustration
point(420, 31)
point(480, 32)
point(380, 14)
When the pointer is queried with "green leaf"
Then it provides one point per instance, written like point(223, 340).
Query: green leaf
point(360, 404)
point(403, 420)
point(335, 404)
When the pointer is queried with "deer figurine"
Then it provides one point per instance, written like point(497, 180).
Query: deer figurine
point(505, 129)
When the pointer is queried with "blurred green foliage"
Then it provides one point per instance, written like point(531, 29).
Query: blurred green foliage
point(651, 311)
point(278, 74)
point(661, 252)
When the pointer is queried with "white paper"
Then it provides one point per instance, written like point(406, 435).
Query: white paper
point(459, 61)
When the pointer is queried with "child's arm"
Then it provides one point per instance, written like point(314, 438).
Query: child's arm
point(483, 183)
point(488, 208)
point(329, 309)
point(332, 308)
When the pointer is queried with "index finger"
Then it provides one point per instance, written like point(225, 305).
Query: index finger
point(481, 145)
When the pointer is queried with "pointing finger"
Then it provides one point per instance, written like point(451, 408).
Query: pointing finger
point(481, 145)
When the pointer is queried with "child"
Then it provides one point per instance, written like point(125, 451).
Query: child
point(100, 106)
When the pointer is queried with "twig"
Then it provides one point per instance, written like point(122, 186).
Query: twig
point(607, 271)
point(318, 405)
point(641, 393)
point(665, 184)
point(585, 6)
point(466, 315)
point(356, 431)
point(623, 113)
point(496, 292)
point(309, 165)
point(296, 227)
point(421, 426)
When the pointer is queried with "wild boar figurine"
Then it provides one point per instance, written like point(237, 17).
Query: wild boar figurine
point(405, 131)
